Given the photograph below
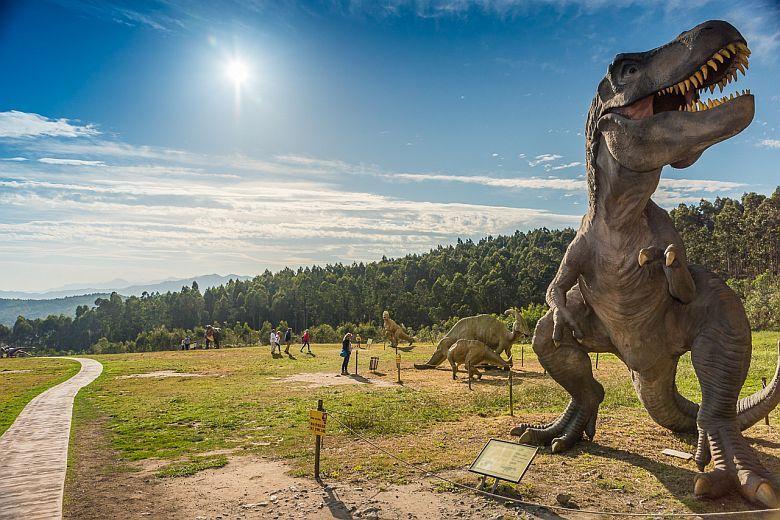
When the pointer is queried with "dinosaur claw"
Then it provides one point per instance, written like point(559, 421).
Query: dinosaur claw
point(644, 257)
point(702, 486)
point(670, 254)
point(766, 495)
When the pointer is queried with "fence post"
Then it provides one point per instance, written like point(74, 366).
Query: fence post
point(597, 360)
point(522, 354)
point(511, 399)
point(356, 360)
point(398, 364)
point(763, 385)
point(317, 446)
point(468, 369)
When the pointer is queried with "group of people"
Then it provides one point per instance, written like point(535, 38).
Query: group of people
point(276, 339)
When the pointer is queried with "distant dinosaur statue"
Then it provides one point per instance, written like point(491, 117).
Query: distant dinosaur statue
point(485, 328)
point(647, 113)
point(393, 331)
point(472, 352)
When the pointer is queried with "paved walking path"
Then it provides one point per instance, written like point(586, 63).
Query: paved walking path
point(34, 450)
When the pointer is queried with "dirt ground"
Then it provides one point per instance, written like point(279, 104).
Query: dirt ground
point(251, 487)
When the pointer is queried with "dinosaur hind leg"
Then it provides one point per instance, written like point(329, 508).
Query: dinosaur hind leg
point(569, 364)
point(658, 393)
point(721, 361)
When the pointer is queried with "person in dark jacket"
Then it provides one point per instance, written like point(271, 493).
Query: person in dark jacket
point(346, 350)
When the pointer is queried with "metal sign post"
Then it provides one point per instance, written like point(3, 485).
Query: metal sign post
point(763, 385)
point(511, 400)
point(398, 364)
point(356, 360)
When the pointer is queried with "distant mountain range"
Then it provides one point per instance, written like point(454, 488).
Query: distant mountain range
point(64, 300)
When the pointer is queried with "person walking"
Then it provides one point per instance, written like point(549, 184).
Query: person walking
point(305, 341)
point(273, 339)
point(287, 340)
point(346, 350)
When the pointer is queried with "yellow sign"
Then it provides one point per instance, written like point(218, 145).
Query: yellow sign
point(317, 420)
point(398, 359)
point(504, 460)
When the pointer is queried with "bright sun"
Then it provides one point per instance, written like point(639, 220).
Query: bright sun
point(237, 71)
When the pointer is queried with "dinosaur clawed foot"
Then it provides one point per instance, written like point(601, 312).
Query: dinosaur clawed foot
point(736, 466)
point(563, 433)
point(652, 254)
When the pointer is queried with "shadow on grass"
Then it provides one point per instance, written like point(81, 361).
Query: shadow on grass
point(678, 481)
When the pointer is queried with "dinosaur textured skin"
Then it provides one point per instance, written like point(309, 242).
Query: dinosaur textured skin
point(471, 353)
point(618, 290)
point(484, 328)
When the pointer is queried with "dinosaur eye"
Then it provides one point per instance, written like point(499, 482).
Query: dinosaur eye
point(630, 69)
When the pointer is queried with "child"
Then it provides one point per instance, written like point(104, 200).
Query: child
point(346, 350)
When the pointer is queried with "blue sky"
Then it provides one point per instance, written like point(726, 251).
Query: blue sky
point(363, 128)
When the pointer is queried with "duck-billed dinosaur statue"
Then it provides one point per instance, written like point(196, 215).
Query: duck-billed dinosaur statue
point(648, 113)
point(485, 328)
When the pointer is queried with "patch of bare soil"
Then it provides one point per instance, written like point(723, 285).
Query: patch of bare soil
point(328, 379)
point(99, 487)
point(161, 374)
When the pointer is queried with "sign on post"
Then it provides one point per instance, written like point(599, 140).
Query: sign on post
point(317, 420)
point(504, 460)
point(398, 359)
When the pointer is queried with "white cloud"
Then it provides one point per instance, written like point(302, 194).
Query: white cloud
point(770, 143)
point(14, 159)
point(24, 124)
point(496, 182)
point(569, 165)
point(69, 162)
point(545, 157)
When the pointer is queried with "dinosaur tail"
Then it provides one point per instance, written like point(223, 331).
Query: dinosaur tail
point(438, 356)
point(753, 408)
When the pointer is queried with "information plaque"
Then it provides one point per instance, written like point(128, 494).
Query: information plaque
point(317, 421)
point(504, 460)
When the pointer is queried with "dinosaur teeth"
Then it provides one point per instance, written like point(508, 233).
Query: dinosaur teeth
point(718, 57)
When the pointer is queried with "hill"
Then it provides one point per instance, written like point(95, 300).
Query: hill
point(122, 287)
point(10, 309)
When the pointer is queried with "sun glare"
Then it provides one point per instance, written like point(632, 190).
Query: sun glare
point(237, 71)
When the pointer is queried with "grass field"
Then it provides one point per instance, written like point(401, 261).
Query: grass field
point(21, 379)
point(242, 404)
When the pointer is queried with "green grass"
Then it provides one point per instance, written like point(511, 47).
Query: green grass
point(242, 405)
point(19, 388)
point(192, 466)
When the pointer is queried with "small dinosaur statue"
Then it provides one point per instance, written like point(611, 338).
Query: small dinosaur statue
point(472, 352)
point(482, 327)
point(648, 113)
point(393, 331)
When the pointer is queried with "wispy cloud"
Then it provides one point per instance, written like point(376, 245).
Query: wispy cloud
point(17, 124)
point(544, 158)
point(568, 165)
point(69, 162)
point(770, 143)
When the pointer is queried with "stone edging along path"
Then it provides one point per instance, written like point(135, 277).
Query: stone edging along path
point(34, 450)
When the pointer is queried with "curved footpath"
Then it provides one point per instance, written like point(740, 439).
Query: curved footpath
point(34, 450)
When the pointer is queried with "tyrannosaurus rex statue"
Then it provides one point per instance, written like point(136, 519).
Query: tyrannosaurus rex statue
point(647, 113)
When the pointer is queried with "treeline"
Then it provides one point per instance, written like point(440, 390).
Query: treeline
point(467, 278)
point(739, 239)
point(735, 238)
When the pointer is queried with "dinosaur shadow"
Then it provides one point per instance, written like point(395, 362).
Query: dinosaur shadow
point(407, 348)
point(336, 506)
point(677, 480)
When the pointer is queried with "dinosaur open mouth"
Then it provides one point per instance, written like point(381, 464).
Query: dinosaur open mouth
point(685, 95)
